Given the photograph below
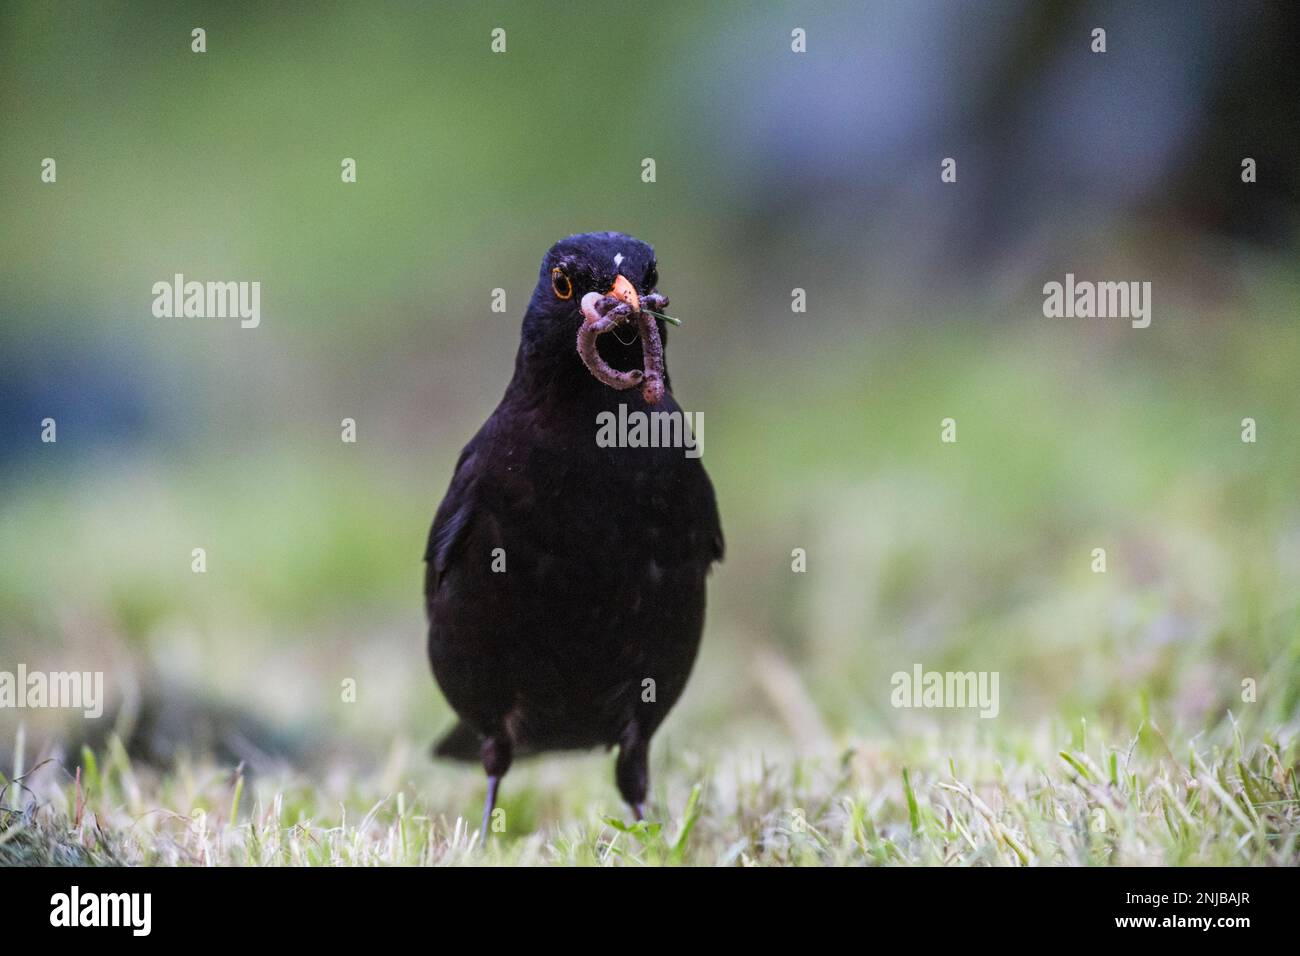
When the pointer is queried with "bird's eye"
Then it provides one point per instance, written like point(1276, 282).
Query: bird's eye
point(651, 277)
point(561, 285)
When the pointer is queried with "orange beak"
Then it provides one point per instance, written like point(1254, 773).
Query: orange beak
point(626, 292)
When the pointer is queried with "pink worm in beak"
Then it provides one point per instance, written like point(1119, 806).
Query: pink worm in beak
point(602, 314)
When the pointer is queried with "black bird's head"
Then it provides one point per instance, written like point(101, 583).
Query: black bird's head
point(607, 263)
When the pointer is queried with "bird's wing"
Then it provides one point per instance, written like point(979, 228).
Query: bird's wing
point(705, 523)
point(717, 546)
point(452, 520)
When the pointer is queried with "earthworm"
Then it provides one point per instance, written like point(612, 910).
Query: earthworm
point(594, 325)
point(615, 314)
point(652, 347)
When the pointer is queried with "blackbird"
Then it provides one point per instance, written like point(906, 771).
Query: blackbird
point(565, 581)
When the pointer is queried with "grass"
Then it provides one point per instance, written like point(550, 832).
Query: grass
point(1123, 736)
point(1057, 797)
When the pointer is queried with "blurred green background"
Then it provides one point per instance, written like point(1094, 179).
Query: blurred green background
point(775, 171)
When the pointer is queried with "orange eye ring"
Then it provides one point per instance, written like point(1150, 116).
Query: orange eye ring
point(561, 284)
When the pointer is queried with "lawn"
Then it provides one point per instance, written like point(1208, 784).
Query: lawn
point(1148, 713)
point(1217, 800)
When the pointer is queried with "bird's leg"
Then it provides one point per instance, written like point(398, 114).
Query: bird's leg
point(632, 771)
point(488, 806)
point(595, 325)
point(497, 754)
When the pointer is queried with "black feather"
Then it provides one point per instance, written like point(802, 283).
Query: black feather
point(606, 550)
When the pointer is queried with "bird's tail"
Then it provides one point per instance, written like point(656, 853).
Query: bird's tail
point(462, 742)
